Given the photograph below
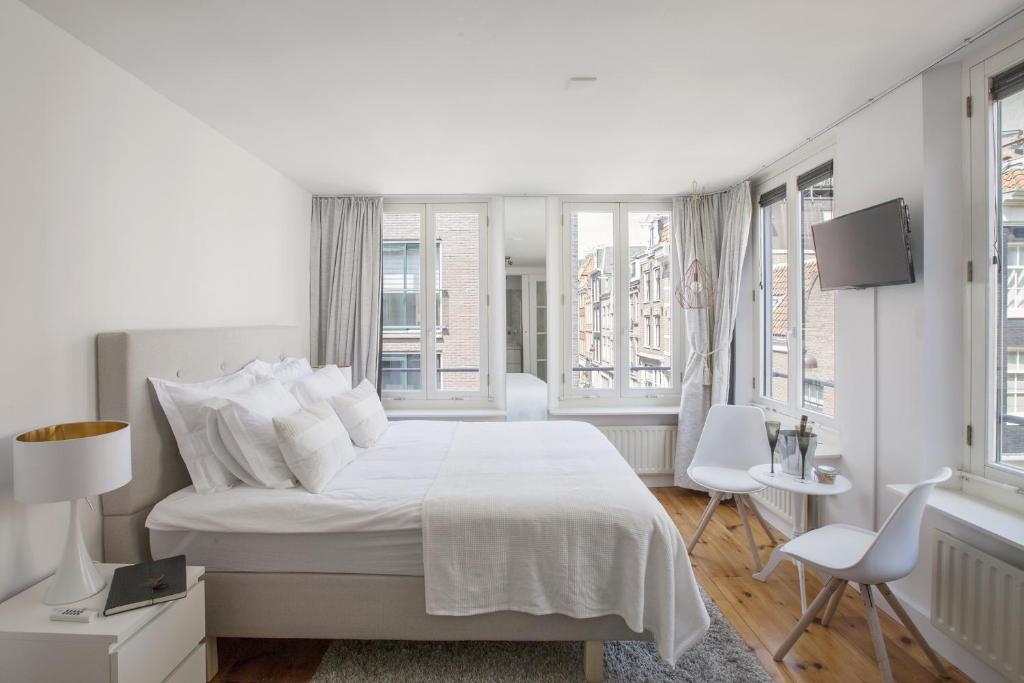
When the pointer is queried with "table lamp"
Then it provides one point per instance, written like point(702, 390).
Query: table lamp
point(69, 462)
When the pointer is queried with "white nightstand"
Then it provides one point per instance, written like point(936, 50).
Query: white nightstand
point(164, 642)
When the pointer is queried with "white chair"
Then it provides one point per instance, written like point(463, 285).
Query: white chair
point(847, 553)
point(734, 440)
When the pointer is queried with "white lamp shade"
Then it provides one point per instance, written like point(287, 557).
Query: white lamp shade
point(71, 461)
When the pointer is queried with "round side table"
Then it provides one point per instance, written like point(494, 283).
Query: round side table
point(799, 490)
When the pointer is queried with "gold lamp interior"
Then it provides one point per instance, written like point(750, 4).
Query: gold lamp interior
point(71, 430)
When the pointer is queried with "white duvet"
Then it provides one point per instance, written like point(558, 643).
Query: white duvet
point(382, 490)
point(546, 517)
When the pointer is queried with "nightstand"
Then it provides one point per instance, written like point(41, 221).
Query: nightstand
point(160, 643)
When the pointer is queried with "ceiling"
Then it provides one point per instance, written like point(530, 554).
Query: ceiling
point(471, 96)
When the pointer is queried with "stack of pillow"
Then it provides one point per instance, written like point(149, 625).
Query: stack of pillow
point(271, 424)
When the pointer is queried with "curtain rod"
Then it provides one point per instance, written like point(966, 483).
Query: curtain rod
point(871, 100)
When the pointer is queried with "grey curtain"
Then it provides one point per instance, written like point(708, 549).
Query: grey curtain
point(345, 284)
point(717, 234)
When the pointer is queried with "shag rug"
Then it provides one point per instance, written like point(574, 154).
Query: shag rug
point(721, 656)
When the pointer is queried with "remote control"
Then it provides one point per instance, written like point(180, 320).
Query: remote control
point(80, 614)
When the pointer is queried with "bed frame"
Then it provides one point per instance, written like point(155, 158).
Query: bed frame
point(277, 605)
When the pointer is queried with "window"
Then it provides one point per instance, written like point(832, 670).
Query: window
point(1013, 262)
point(818, 323)
point(797, 320)
point(607, 356)
point(455, 350)
point(775, 287)
point(402, 286)
point(996, 303)
point(401, 371)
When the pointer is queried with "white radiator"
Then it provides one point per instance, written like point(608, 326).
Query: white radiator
point(648, 450)
point(779, 502)
point(978, 601)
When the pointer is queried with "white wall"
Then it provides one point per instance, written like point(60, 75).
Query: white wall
point(117, 210)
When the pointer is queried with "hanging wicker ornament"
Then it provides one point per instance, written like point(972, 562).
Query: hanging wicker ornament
point(695, 290)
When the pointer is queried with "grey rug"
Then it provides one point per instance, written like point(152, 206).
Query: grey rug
point(721, 656)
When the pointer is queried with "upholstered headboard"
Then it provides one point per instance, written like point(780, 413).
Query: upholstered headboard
point(124, 362)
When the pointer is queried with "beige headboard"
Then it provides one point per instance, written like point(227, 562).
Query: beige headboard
point(124, 361)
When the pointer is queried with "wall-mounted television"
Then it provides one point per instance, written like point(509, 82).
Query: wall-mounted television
point(866, 248)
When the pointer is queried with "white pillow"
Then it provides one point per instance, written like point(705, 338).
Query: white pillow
point(286, 371)
point(245, 423)
point(315, 445)
point(220, 449)
point(324, 384)
point(182, 403)
point(362, 414)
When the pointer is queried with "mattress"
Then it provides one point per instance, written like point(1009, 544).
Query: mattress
point(368, 520)
point(395, 553)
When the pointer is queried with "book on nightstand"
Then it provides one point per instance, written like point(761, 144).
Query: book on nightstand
point(146, 583)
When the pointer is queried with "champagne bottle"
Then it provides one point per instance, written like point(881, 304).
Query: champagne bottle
point(803, 425)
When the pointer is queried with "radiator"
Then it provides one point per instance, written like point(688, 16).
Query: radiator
point(978, 601)
point(778, 501)
point(648, 450)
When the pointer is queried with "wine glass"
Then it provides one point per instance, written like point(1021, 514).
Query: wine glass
point(803, 442)
point(772, 427)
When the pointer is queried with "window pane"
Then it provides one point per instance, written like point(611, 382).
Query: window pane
point(776, 301)
point(592, 338)
point(1010, 303)
point(401, 341)
point(650, 313)
point(400, 371)
point(819, 313)
point(458, 300)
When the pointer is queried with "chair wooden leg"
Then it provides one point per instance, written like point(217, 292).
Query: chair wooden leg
point(805, 620)
point(833, 605)
point(774, 559)
point(757, 513)
point(741, 505)
point(716, 498)
point(593, 661)
point(912, 627)
point(876, 632)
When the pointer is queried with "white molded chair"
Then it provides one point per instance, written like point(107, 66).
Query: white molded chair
point(734, 440)
point(847, 553)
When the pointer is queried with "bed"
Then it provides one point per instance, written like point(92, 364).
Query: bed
point(348, 564)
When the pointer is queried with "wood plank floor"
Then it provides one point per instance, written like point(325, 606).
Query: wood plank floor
point(762, 613)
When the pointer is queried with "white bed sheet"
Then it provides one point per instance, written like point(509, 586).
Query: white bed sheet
point(382, 490)
point(395, 553)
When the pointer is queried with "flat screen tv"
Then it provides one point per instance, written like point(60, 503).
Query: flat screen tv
point(866, 248)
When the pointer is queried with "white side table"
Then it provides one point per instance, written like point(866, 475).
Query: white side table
point(160, 643)
point(799, 490)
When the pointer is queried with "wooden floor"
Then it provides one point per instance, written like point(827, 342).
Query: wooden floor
point(762, 613)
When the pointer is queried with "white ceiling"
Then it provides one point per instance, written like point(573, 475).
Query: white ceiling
point(470, 96)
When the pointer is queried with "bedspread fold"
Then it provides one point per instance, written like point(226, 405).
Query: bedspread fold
point(548, 518)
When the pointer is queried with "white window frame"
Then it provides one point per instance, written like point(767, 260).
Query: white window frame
point(793, 406)
point(621, 393)
point(428, 293)
point(982, 299)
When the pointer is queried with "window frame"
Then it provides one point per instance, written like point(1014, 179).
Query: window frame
point(982, 298)
point(621, 393)
point(432, 278)
point(793, 406)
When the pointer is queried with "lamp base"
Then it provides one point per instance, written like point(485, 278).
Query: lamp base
point(76, 577)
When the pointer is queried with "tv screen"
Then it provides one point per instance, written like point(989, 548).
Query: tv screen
point(866, 248)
